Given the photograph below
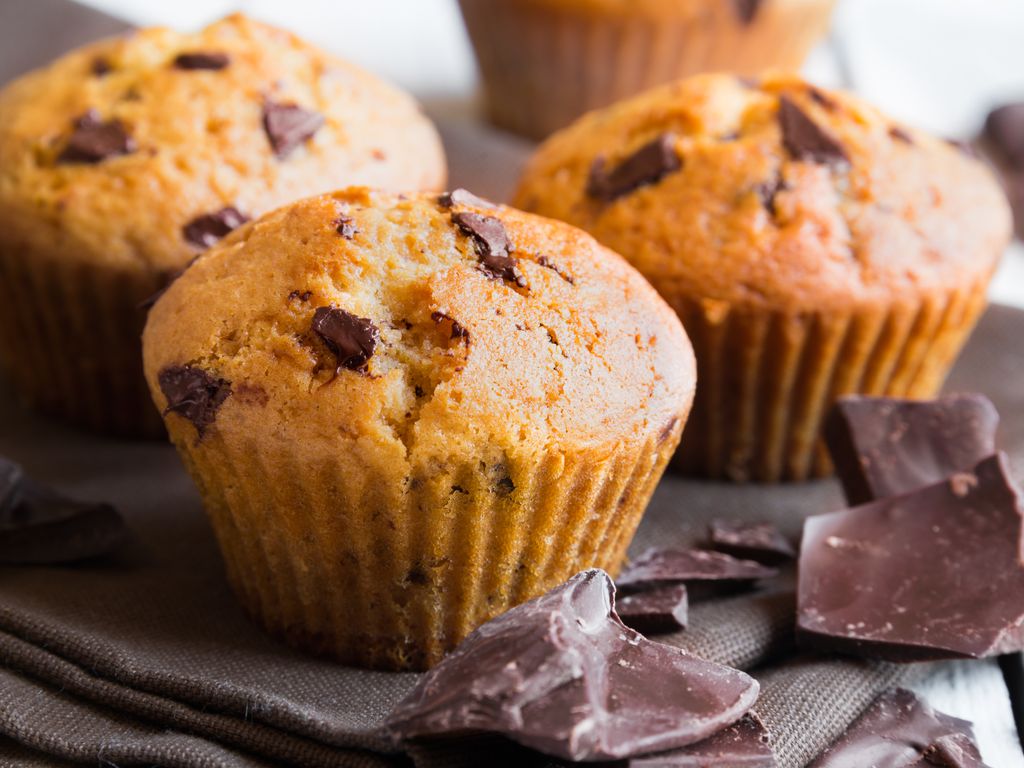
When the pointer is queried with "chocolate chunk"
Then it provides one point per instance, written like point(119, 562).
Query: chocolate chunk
point(900, 731)
point(41, 527)
point(352, 339)
point(201, 60)
point(93, 140)
point(760, 542)
point(933, 574)
point(747, 9)
point(900, 134)
point(345, 227)
point(100, 66)
point(804, 139)
point(662, 567)
point(745, 744)
point(193, 393)
point(547, 263)
point(493, 248)
point(206, 230)
point(457, 332)
point(663, 609)
point(300, 295)
point(768, 193)
point(463, 197)
point(1004, 131)
point(648, 165)
point(288, 126)
point(885, 446)
point(562, 675)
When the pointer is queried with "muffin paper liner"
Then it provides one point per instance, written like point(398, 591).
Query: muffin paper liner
point(543, 67)
point(767, 379)
point(343, 564)
point(70, 343)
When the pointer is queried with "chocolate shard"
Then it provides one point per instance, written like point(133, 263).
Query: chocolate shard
point(288, 126)
point(663, 567)
point(900, 731)
point(747, 9)
point(562, 675)
point(745, 744)
point(194, 394)
point(933, 574)
point(659, 610)
point(806, 140)
point(886, 446)
point(352, 339)
point(346, 227)
point(760, 542)
point(648, 165)
point(1004, 131)
point(207, 229)
point(41, 527)
point(463, 197)
point(201, 60)
point(493, 247)
point(93, 140)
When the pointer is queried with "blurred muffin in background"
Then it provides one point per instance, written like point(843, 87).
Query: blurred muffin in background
point(546, 62)
point(125, 159)
point(1002, 140)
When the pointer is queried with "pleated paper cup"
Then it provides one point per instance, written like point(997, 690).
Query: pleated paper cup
point(766, 379)
point(544, 63)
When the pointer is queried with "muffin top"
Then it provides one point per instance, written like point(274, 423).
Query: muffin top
point(139, 151)
point(771, 193)
point(418, 326)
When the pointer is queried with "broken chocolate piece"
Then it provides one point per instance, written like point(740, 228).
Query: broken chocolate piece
point(1004, 132)
point(352, 339)
point(463, 197)
point(201, 60)
point(40, 527)
point(288, 126)
point(886, 446)
point(193, 393)
point(663, 567)
point(648, 165)
point(547, 263)
point(458, 331)
point(901, 731)
point(804, 139)
point(663, 609)
point(747, 9)
point(93, 140)
point(345, 227)
point(493, 247)
point(745, 744)
point(932, 574)
point(760, 542)
point(206, 230)
point(562, 675)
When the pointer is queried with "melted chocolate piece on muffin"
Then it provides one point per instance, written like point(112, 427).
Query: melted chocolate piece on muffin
point(206, 230)
point(201, 60)
point(493, 247)
point(648, 165)
point(463, 197)
point(352, 339)
point(288, 126)
point(193, 393)
point(804, 139)
point(94, 140)
point(346, 227)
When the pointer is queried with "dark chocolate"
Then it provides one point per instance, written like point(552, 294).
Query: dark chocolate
point(804, 139)
point(884, 446)
point(747, 9)
point(93, 140)
point(648, 165)
point(458, 331)
point(547, 263)
point(1004, 132)
point(352, 339)
point(662, 567)
point(745, 744)
point(658, 610)
point(493, 247)
point(463, 197)
point(207, 229)
point(194, 394)
point(768, 193)
point(100, 66)
point(900, 731)
point(562, 675)
point(901, 134)
point(933, 574)
point(201, 60)
point(288, 126)
point(346, 227)
point(761, 542)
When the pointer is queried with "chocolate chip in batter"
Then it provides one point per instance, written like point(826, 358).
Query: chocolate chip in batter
point(100, 66)
point(547, 263)
point(193, 393)
point(747, 9)
point(493, 248)
point(806, 140)
point(94, 140)
point(648, 165)
point(463, 197)
point(458, 330)
point(201, 60)
point(206, 230)
point(352, 339)
point(288, 126)
point(346, 227)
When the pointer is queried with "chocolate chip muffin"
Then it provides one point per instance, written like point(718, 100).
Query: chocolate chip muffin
point(406, 415)
point(545, 62)
point(811, 246)
point(123, 160)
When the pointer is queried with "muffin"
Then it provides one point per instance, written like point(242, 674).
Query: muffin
point(545, 62)
point(406, 415)
point(124, 159)
point(811, 247)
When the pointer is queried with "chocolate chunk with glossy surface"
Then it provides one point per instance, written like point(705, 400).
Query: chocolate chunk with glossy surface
point(884, 446)
point(288, 126)
point(900, 731)
point(562, 675)
point(201, 60)
point(745, 744)
point(933, 574)
point(463, 197)
point(94, 140)
point(493, 247)
point(804, 139)
point(193, 393)
point(747, 9)
point(206, 230)
point(662, 609)
point(352, 339)
point(648, 165)
point(662, 567)
point(761, 542)
point(1004, 131)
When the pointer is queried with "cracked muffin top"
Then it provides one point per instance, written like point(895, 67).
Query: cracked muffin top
point(142, 150)
point(771, 193)
point(415, 327)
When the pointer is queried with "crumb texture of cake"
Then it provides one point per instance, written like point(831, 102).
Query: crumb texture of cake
point(407, 414)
